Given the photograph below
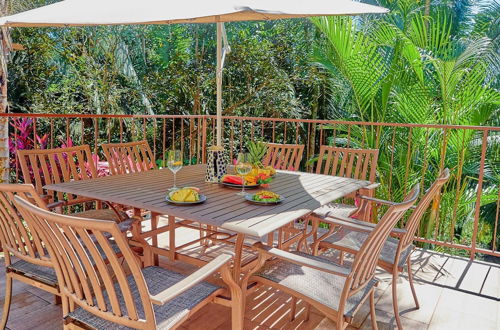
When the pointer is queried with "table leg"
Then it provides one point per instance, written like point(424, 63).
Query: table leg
point(270, 239)
point(154, 225)
point(171, 237)
point(136, 236)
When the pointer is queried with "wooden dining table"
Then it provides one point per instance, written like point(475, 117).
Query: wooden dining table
point(223, 213)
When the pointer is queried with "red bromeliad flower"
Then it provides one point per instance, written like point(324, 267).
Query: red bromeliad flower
point(23, 137)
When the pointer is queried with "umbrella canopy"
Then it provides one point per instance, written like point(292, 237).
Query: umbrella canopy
point(113, 12)
point(119, 12)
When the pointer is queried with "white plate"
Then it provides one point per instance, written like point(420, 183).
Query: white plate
point(202, 199)
point(249, 198)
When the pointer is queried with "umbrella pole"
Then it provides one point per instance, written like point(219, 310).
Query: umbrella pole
point(219, 84)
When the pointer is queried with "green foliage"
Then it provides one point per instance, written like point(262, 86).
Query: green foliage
point(403, 67)
point(256, 150)
point(411, 68)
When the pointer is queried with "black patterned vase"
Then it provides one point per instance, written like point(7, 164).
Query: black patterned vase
point(216, 164)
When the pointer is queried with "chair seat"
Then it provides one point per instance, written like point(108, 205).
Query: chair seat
point(126, 224)
point(320, 286)
point(43, 274)
point(335, 210)
point(352, 240)
point(101, 214)
point(157, 280)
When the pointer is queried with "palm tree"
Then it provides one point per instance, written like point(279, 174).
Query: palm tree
point(408, 67)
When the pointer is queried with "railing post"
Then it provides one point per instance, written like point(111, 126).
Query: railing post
point(204, 139)
point(480, 180)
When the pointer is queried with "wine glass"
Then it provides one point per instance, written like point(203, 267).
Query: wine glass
point(174, 163)
point(243, 167)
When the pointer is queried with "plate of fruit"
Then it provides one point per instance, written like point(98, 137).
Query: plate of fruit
point(256, 178)
point(265, 197)
point(185, 196)
point(236, 182)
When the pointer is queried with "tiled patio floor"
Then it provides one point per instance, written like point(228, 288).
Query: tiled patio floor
point(454, 294)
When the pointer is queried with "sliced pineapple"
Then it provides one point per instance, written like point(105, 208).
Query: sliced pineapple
point(185, 195)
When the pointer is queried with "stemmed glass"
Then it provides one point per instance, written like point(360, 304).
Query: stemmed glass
point(243, 167)
point(174, 163)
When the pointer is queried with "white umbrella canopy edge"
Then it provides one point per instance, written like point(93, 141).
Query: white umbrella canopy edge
point(124, 12)
point(132, 12)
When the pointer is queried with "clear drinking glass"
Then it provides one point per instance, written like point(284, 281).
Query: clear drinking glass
point(174, 163)
point(243, 167)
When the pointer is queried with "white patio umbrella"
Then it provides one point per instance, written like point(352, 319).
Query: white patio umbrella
point(119, 12)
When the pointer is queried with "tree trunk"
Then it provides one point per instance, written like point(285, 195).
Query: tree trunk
point(5, 47)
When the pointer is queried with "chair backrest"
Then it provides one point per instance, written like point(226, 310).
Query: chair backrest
point(284, 156)
point(365, 261)
point(353, 163)
point(129, 157)
point(88, 269)
point(414, 219)
point(48, 166)
point(15, 236)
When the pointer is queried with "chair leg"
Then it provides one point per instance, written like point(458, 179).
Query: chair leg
point(395, 297)
point(410, 279)
point(341, 324)
point(372, 310)
point(315, 248)
point(7, 300)
point(293, 308)
point(341, 257)
point(65, 305)
point(238, 298)
point(308, 312)
point(237, 309)
point(57, 300)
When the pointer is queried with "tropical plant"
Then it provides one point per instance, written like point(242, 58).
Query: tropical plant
point(408, 67)
point(427, 62)
point(256, 151)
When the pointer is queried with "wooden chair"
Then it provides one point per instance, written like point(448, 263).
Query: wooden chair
point(101, 296)
point(47, 166)
point(350, 163)
point(129, 157)
point(33, 266)
point(336, 291)
point(396, 251)
point(284, 156)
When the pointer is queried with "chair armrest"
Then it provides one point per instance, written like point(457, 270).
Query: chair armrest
point(47, 198)
point(56, 204)
point(380, 201)
point(352, 223)
point(190, 281)
point(377, 200)
point(80, 200)
point(359, 225)
point(70, 202)
point(303, 261)
point(372, 186)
